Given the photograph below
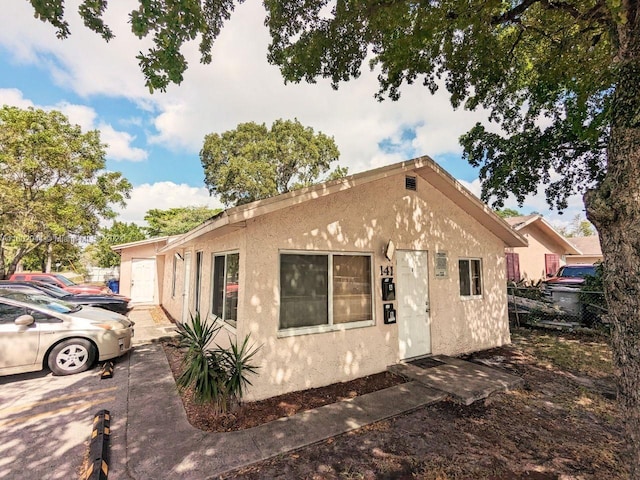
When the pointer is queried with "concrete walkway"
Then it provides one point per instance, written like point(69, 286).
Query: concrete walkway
point(161, 443)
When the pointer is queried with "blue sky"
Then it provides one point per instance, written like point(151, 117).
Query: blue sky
point(154, 140)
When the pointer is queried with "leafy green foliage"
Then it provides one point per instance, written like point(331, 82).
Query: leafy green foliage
point(508, 213)
point(53, 185)
point(218, 375)
point(64, 256)
point(253, 162)
point(175, 221)
point(119, 232)
point(579, 227)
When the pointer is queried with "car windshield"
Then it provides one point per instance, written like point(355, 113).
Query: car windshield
point(64, 280)
point(580, 272)
point(42, 300)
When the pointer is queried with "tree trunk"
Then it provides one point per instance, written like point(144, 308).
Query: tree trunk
point(614, 208)
point(47, 266)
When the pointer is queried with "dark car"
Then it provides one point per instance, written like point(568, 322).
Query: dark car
point(115, 303)
point(61, 281)
point(570, 275)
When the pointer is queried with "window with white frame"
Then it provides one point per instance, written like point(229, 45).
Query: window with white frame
point(226, 274)
point(324, 291)
point(470, 277)
point(173, 276)
point(198, 286)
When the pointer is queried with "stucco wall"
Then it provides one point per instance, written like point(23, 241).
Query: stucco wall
point(532, 266)
point(361, 219)
point(572, 260)
point(141, 251)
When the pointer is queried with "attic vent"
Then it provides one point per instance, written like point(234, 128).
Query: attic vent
point(410, 183)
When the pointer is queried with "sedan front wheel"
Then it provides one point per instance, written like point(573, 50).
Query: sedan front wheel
point(71, 356)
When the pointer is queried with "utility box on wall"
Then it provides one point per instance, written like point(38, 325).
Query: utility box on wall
point(389, 313)
point(388, 290)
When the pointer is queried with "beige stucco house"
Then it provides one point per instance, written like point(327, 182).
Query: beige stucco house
point(545, 253)
point(342, 279)
point(142, 269)
point(589, 248)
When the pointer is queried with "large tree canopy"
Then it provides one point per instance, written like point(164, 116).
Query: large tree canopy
point(53, 186)
point(119, 232)
point(559, 77)
point(175, 221)
point(254, 162)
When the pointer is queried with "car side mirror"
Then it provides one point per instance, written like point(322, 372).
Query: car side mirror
point(24, 320)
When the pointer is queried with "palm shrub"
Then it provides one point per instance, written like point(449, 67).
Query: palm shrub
point(218, 375)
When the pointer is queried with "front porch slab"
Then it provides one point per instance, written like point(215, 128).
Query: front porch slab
point(465, 382)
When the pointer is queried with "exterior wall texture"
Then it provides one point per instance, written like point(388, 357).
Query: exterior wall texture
point(362, 219)
point(532, 265)
point(141, 251)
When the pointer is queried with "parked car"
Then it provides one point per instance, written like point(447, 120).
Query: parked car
point(61, 281)
point(115, 303)
point(38, 331)
point(569, 275)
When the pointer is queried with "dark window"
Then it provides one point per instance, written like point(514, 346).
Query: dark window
point(198, 280)
point(8, 313)
point(224, 297)
point(309, 282)
point(470, 277)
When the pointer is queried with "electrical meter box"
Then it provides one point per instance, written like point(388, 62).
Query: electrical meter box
point(388, 289)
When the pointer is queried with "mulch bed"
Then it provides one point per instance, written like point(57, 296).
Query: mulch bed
point(252, 414)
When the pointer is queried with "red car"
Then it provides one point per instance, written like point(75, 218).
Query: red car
point(570, 275)
point(61, 281)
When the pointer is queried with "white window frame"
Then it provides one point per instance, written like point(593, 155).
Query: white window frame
point(471, 295)
point(199, 268)
point(174, 270)
point(221, 320)
point(330, 326)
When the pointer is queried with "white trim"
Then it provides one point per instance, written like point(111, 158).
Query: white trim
point(471, 297)
point(334, 327)
point(224, 292)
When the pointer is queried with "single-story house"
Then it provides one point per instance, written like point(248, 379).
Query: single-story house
point(142, 269)
point(589, 248)
point(545, 253)
point(342, 279)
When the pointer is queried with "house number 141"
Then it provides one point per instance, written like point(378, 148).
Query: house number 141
point(386, 271)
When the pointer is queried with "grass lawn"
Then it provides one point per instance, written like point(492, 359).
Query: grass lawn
point(562, 425)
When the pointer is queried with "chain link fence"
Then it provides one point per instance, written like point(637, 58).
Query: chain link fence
point(557, 306)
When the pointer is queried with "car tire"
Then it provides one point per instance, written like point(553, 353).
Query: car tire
point(71, 356)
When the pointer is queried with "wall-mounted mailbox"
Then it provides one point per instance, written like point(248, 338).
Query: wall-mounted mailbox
point(388, 289)
point(389, 313)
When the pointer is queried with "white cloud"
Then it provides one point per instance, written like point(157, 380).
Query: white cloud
point(164, 195)
point(14, 97)
point(119, 144)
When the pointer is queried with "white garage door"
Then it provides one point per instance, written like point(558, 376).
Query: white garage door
point(143, 279)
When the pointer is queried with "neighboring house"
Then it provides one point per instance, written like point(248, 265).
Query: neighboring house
point(545, 253)
point(589, 248)
point(141, 269)
point(342, 279)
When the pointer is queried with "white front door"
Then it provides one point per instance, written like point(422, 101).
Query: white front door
point(143, 279)
point(414, 330)
point(186, 295)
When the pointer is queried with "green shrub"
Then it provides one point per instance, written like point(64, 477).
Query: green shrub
point(218, 375)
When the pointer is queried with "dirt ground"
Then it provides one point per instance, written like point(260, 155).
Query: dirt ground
point(562, 425)
point(256, 413)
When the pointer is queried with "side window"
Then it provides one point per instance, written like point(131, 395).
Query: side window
point(44, 279)
point(8, 313)
point(40, 317)
point(470, 277)
point(19, 277)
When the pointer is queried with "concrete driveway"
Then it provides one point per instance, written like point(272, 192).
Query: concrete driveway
point(46, 421)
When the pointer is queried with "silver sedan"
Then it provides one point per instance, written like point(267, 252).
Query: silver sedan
point(38, 331)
